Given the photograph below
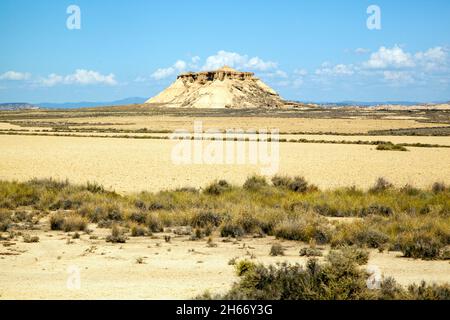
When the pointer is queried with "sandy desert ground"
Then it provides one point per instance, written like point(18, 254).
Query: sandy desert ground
point(162, 123)
point(432, 140)
point(184, 268)
point(130, 165)
point(181, 269)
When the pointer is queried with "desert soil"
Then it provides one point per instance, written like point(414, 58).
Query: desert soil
point(132, 165)
point(349, 125)
point(181, 269)
point(435, 140)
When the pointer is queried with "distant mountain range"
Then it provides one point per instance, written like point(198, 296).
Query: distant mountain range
point(376, 103)
point(17, 106)
point(139, 100)
point(85, 104)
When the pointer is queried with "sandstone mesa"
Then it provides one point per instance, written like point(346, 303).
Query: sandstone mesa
point(222, 88)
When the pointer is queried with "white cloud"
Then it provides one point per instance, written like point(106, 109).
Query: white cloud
point(140, 79)
point(301, 72)
point(15, 76)
point(390, 57)
point(437, 54)
point(434, 59)
point(80, 76)
point(398, 77)
point(337, 70)
point(195, 59)
point(391, 65)
point(276, 74)
point(388, 65)
point(162, 73)
point(222, 58)
point(361, 50)
point(238, 61)
point(296, 83)
point(180, 65)
point(256, 63)
point(51, 80)
point(87, 77)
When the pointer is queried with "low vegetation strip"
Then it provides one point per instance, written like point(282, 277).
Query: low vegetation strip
point(413, 221)
point(339, 278)
point(381, 145)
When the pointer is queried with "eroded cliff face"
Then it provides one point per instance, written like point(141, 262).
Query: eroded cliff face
point(223, 88)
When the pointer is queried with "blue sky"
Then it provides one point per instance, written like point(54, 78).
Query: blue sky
point(307, 50)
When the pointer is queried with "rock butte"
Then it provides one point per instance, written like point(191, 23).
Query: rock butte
point(222, 88)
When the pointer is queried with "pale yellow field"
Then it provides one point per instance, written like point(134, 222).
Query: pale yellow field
point(434, 140)
point(350, 125)
point(128, 165)
point(181, 269)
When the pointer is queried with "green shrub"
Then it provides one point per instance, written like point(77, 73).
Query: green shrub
point(5, 220)
point(327, 210)
point(296, 184)
point(139, 204)
point(376, 209)
point(429, 292)
point(117, 235)
point(281, 181)
point(217, 188)
point(248, 222)
point(68, 222)
point(105, 224)
point(390, 147)
point(197, 234)
point(410, 190)
point(339, 278)
point(230, 229)
point(310, 252)
point(277, 250)
point(438, 187)
point(153, 223)
point(255, 183)
point(206, 218)
point(56, 221)
point(381, 185)
point(360, 234)
point(244, 267)
point(358, 255)
point(336, 280)
point(15, 194)
point(138, 230)
point(102, 210)
point(420, 246)
point(23, 216)
point(188, 190)
point(445, 254)
point(305, 228)
point(30, 239)
point(74, 222)
point(138, 217)
point(299, 184)
point(49, 184)
point(95, 187)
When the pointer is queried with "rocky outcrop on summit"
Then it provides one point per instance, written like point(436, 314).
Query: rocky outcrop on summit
point(222, 88)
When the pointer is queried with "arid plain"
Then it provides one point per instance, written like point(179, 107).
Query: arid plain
point(128, 150)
